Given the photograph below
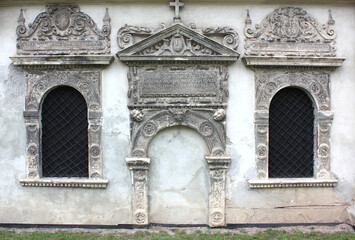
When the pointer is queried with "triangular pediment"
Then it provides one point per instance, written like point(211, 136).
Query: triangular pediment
point(178, 41)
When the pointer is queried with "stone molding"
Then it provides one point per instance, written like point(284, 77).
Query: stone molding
point(178, 77)
point(63, 30)
point(306, 62)
point(60, 61)
point(64, 183)
point(291, 183)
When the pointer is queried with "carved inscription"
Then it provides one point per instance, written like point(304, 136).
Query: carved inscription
point(290, 47)
point(64, 45)
point(179, 83)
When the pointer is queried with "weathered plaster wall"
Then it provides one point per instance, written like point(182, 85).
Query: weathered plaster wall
point(178, 178)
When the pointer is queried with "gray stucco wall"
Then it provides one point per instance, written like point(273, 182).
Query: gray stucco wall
point(178, 187)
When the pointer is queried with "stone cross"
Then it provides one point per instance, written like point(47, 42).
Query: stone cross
point(177, 4)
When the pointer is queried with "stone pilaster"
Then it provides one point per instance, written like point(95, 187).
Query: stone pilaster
point(217, 200)
point(139, 169)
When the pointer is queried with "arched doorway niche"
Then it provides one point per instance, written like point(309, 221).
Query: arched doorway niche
point(178, 180)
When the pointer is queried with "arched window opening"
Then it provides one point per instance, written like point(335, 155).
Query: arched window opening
point(291, 135)
point(64, 134)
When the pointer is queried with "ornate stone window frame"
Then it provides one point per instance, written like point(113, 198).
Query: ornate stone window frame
point(292, 55)
point(59, 58)
point(169, 52)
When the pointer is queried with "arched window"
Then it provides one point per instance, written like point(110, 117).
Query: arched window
point(64, 134)
point(291, 135)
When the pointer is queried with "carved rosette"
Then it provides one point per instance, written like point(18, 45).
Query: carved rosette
point(324, 125)
point(39, 83)
point(290, 31)
point(63, 29)
point(198, 119)
point(269, 82)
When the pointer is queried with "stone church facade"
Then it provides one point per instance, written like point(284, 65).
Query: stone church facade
point(194, 113)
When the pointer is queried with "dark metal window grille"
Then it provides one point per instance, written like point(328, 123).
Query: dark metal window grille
point(291, 135)
point(64, 134)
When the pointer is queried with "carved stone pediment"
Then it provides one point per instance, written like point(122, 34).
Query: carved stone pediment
point(63, 30)
point(139, 43)
point(290, 31)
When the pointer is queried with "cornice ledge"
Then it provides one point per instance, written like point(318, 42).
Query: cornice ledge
point(47, 60)
point(179, 58)
point(330, 62)
point(257, 183)
point(65, 183)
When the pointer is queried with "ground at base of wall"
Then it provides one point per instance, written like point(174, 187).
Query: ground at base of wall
point(340, 231)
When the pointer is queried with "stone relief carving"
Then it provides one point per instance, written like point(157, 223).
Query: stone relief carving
point(57, 36)
point(271, 81)
point(268, 83)
point(40, 82)
point(63, 29)
point(179, 40)
point(290, 31)
point(175, 44)
point(178, 77)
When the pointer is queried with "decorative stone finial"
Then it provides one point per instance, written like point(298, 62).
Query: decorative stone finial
point(177, 5)
point(21, 18)
point(107, 18)
point(330, 18)
point(248, 20)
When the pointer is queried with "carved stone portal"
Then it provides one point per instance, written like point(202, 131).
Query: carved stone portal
point(178, 76)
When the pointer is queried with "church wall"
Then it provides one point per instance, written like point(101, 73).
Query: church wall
point(110, 206)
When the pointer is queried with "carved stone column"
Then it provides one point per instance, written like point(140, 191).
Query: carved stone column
point(139, 171)
point(325, 119)
point(217, 200)
point(262, 143)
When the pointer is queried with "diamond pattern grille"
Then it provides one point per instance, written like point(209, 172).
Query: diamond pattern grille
point(64, 134)
point(291, 135)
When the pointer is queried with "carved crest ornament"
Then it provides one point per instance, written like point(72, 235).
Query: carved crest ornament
point(290, 48)
point(63, 46)
point(178, 77)
point(63, 29)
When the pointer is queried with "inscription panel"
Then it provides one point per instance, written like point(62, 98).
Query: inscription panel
point(275, 47)
point(63, 45)
point(179, 83)
point(167, 85)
